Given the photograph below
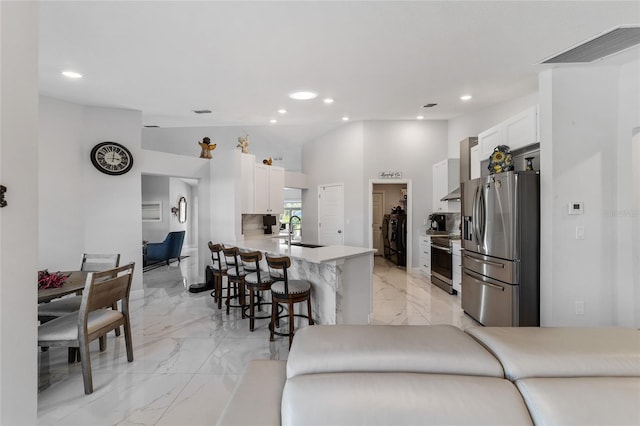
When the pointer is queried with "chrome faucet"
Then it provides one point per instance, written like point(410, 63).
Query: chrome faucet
point(291, 226)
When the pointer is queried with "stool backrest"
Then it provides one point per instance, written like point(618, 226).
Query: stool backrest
point(278, 269)
point(231, 259)
point(251, 260)
point(216, 258)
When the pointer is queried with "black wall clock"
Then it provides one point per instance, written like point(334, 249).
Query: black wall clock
point(111, 158)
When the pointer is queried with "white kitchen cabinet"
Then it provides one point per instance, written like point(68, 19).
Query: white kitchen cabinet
point(262, 187)
point(474, 161)
point(516, 132)
point(446, 178)
point(456, 265)
point(488, 140)
point(425, 254)
point(269, 189)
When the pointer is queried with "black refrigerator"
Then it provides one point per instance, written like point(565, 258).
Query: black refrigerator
point(394, 236)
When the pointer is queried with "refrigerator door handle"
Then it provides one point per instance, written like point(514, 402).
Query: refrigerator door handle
point(482, 210)
point(476, 219)
point(494, 286)
point(486, 262)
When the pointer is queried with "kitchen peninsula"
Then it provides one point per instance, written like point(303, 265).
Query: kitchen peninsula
point(341, 277)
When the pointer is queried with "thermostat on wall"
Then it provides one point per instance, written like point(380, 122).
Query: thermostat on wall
point(576, 208)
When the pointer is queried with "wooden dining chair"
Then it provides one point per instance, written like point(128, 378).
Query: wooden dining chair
point(69, 304)
point(93, 321)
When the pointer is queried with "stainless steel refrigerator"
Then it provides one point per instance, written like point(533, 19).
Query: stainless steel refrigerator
point(501, 242)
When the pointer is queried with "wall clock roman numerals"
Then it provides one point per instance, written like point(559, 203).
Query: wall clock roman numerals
point(111, 158)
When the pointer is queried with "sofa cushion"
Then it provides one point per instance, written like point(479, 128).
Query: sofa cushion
point(401, 399)
point(562, 351)
point(257, 397)
point(388, 348)
point(582, 400)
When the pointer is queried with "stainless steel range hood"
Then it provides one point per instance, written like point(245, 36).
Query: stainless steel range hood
point(452, 196)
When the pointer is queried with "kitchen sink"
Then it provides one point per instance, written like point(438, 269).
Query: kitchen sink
point(305, 245)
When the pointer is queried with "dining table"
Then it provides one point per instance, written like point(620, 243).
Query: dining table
point(74, 283)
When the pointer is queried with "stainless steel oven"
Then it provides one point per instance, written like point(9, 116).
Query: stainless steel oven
point(442, 264)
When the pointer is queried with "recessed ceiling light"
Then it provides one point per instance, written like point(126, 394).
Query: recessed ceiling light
point(273, 121)
point(420, 117)
point(328, 101)
point(345, 118)
point(282, 111)
point(465, 97)
point(71, 74)
point(303, 95)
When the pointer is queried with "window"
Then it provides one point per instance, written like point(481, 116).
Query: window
point(290, 209)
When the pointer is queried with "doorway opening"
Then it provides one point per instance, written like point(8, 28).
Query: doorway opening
point(390, 220)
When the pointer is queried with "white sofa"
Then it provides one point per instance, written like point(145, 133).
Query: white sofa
point(440, 375)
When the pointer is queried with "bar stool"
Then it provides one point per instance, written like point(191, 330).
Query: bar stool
point(256, 281)
point(219, 272)
point(284, 290)
point(235, 279)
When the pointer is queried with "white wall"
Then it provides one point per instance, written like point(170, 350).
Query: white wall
point(184, 141)
point(18, 220)
point(411, 147)
point(587, 117)
point(355, 153)
point(105, 217)
point(156, 188)
point(336, 157)
point(179, 188)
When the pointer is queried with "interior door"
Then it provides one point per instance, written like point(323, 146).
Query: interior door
point(331, 214)
point(377, 207)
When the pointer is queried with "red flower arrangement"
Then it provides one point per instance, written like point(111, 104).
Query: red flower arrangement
point(47, 280)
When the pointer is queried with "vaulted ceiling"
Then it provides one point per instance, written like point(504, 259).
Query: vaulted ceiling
point(378, 60)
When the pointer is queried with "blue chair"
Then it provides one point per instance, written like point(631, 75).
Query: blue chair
point(169, 249)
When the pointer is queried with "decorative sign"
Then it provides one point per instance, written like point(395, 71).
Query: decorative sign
point(390, 175)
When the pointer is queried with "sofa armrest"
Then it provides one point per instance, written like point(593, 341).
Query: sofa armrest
point(257, 397)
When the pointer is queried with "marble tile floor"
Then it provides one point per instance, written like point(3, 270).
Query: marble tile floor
point(188, 355)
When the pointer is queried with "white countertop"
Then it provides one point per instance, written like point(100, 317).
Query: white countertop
point(314, 255)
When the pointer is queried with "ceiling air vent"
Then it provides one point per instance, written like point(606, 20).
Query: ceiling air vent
point(202, 111)
point(151, 126)
point(429, 105)
point(601, 46)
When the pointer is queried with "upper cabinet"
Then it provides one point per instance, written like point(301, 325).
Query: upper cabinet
point(516, 132)
point(446, 178)
point(474, 161)
point(269, 189)
point(262, 187)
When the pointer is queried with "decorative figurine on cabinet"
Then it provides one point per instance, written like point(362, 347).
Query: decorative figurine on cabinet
point(267, 161)
point(243, 143)
point(207, 147)
point(500, 160)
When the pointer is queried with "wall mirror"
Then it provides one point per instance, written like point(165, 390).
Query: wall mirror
point(182, 210)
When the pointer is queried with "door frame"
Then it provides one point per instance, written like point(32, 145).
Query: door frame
point(409, 214)
point(371, 227)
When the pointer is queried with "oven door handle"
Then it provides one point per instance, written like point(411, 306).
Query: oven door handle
point(448, 250)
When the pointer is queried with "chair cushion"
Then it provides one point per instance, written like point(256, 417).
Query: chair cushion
point(401, 399)
point(253, 278)
point(582, 400)
point(59, 307)
point(231, 272)
point(562, 351)
point(295, 287)
point(65, 328)
point(441, 349)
